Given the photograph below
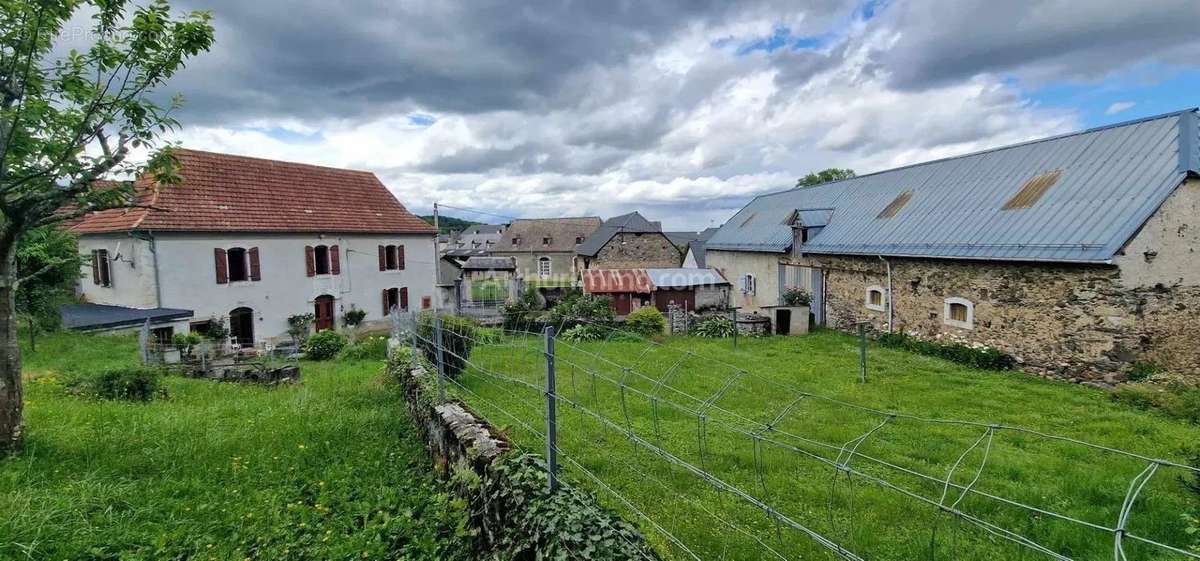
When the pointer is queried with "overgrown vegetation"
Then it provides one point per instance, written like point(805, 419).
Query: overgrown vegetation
point(646, 321)
point(520, 312)
point(714, 327)
point(513, 501)
point(458, 337)
point(330, 469)
point(353, 317)
point(1176, 400)
point(324, 345)
point(577, 308)
point(51, 256)
point(973, 355)
point(367, 348)
point(796, 296)
point(299, 327)
point(128, 383)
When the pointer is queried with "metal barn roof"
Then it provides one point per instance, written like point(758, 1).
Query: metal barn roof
point(1110, 180)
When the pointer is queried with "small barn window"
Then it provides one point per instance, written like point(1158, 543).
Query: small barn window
point(239, 267)
point(544, 267)
point(876, 299)
point(749, 284)
point(959, 312)
point(1033, 190)
point(894, 207)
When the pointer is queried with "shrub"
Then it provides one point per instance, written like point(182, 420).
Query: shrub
point(132, 383)
point(324, 345)
point(974, 355)
point(519, 313)
point(458, 337)
point(583, 332)
point(1142, 371)
point(185, 342)
point(796, 296)
point(367, 348)
point(582, 308)
point(299, 327)
point(646, 321)
point(217, 331)
point(353, 317)
point(714, 326)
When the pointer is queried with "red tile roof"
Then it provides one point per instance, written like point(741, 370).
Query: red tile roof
point(226, 193)
point(597, 281)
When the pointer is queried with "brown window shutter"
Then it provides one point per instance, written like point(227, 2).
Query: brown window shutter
point(96, 267)
point(382, 258)
point(255, 266)
point(400, 257)
point(335, 260)
point(222, 266)
point(310, 260)
point(404, 298)
point(385, 303)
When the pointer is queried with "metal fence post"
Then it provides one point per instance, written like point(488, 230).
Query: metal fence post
point(733, 314)
point(862, 352)
point(413, 339)
point(441, 361)
point(551, 413)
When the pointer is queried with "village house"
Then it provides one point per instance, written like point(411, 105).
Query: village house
point(252, 242)
point(544, 248)
point(1079, 254)
point(627, 241)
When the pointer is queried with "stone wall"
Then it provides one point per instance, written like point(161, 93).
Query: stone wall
point(637, 251)
point(562, 265)
point(1073, 322)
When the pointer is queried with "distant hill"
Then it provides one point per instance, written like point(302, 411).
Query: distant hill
point(449, 224)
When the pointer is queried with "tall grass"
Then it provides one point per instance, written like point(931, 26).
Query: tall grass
point(326, 469)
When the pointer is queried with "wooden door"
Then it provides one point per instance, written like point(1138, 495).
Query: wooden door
point(323, 310)
point(684, 298)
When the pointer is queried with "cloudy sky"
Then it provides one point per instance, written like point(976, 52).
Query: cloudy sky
point(683, 109)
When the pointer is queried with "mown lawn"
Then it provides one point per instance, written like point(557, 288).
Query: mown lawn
point(327, 469)
point(873, 521)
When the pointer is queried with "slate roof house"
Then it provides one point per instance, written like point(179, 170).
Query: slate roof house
point(544, 248)
point(627, 241)
point(1077, 254)
point(252, 242)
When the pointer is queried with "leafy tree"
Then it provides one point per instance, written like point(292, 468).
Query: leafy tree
point(51, 255)
point(824, 176)
point(68, 119)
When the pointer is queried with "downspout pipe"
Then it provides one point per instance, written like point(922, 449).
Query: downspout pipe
point(149, 238)
point(891, 310)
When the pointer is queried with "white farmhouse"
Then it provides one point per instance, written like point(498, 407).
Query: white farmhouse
point(252, 242)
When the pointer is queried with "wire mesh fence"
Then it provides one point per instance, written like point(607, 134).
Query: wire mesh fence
point(721, 461)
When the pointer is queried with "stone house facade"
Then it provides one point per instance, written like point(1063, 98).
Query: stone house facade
point(628, 241)
point(1078, 255)
point(544, 248)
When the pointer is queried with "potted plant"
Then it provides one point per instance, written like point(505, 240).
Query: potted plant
point(791, 318)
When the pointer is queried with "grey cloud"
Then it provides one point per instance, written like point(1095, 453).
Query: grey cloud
point(946, 40)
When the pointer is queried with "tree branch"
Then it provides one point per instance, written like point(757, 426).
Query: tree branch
point(45, 269)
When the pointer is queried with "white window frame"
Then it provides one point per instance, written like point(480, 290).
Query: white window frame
point(545, 267)
point(749, 284)
point(883, 298)
point(969, 324)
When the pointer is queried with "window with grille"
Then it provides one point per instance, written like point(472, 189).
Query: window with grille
point(544, 267)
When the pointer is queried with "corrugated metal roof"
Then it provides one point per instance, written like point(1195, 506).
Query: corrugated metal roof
point(684, 278)
point(598, 281)
point(1112, 179)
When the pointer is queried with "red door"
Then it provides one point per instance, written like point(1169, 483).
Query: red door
point(685, 299)
point(623, 302)
point(324, 311)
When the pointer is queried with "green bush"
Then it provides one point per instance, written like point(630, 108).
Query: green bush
point(131, 383)
point(324, 345)
point(714, 326)
point(1142, 371)
point(582, 308)
point(369, 348)
point(458, 337)
point(184, 342)
point(796, 296)
point(353, 317)
point(646, 321)
point(583, 332)
point(519, 313)
point(972, 355)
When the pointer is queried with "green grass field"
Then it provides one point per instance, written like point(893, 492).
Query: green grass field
point(327, 469)
point(873, 521)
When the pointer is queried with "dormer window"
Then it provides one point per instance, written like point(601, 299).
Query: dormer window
point(516, 240)
point(546, 241)
point(578, 240)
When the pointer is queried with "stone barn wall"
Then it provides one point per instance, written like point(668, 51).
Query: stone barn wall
point(1072, 322)
point(637, 251)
